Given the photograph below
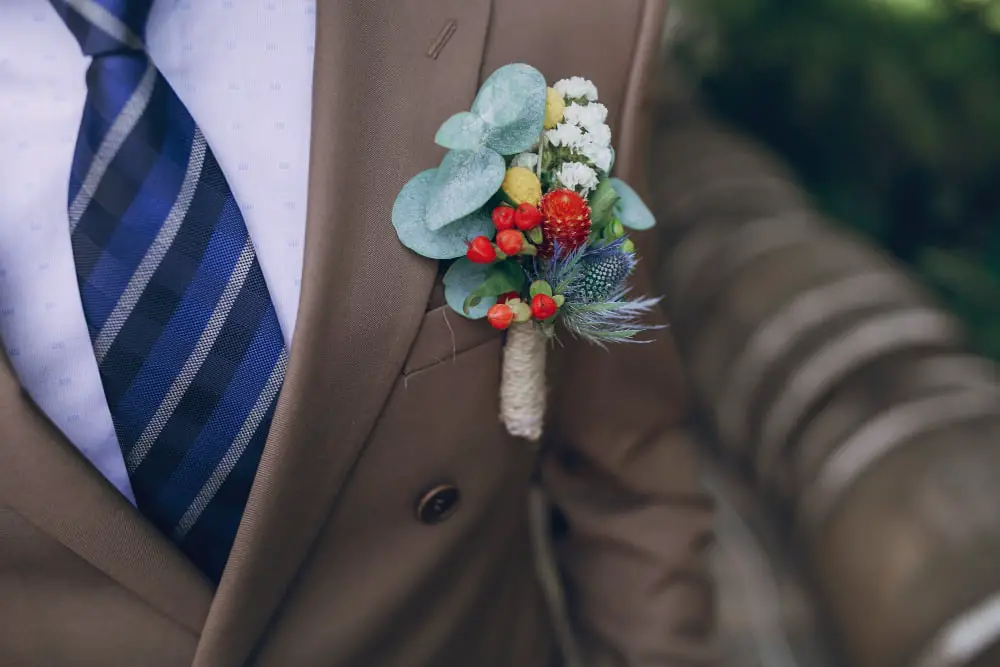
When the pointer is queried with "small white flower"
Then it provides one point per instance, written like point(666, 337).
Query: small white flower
point(526, 160)
point(599, 134)
point(577, 176)
point(566, 135)
point(587, 116)
point(577, 88)
point(598, 154)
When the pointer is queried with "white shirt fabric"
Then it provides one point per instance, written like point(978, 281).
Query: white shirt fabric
point(244, 69)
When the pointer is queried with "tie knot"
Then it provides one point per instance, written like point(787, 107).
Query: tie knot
point(106, 26)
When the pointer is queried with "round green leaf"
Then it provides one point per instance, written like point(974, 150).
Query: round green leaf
point(512, 103)
point(540, 287)
point(411, 227)
point(630, 209)
point(460, 281)
point(463, 131)
point(502, 277)
point(464, 182)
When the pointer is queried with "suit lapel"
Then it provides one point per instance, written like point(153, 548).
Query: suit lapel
point(45, 480)
point(386, 75)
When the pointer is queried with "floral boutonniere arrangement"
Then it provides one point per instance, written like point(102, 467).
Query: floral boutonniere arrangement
point(525, 203)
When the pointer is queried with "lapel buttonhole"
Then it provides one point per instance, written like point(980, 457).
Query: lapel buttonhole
point(441, 41)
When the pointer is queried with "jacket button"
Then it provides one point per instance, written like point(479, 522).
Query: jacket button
point(438, 504)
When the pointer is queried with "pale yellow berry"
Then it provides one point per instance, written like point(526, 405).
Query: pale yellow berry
point(522, 186)
point(522, 311)
point(555, 108)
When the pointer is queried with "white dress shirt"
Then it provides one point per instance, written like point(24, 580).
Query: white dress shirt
point(244, 69)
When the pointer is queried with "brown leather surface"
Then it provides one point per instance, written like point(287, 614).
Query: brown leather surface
point(384, 400)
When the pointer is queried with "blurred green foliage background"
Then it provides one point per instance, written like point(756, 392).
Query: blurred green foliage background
point(889, 111)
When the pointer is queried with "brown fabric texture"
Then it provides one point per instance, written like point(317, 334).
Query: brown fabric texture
point(387, 397)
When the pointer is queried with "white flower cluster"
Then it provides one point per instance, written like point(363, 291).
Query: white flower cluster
point(566, 135)
point(577, 88)
point(577, 176)
point(584, 131)
point(588, 116)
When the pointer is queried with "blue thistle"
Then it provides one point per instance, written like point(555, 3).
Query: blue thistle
point(602, 275)
point(593, 280)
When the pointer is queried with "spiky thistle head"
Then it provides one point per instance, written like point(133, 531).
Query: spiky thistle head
point(603, 275)
point(593, 280)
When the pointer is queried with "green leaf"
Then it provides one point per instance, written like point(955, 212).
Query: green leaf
point(512, 104)
point(630, 209)
point(464, 182)
point(461, 280)
point(463, 131)
point(501, 278)
point(540, 287)
point(408, 217)
point(602, 204)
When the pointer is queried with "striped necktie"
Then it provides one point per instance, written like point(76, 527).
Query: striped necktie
point(189, 348)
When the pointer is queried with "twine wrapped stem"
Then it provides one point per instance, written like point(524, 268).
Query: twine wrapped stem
point(522, 387)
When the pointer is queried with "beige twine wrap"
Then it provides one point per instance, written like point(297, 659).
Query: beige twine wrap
point(522, 387)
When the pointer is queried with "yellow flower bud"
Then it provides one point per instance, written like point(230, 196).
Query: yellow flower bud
point(521, 185)
point(555, 108)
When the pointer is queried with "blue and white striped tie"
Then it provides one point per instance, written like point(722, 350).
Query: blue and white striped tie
point(190, 351)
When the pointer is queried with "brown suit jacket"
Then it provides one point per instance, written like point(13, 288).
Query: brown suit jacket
point(388, 395)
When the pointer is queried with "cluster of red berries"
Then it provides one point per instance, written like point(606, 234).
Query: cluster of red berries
point(509, 308)
point(511, 224)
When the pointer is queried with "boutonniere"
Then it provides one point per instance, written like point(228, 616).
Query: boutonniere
point(525, 204)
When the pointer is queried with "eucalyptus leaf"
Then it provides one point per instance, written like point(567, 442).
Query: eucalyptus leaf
point(630, 209)
point(408, 217)
point(501, 278)
point(464, 182)
point(512, 103)
point(462, 278)
point(463, 131)
point(602, 204)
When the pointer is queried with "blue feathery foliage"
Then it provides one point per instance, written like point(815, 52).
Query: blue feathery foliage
point(612, 319)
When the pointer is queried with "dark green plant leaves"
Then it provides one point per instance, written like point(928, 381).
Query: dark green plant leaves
point(602, 204)
point(502, 277)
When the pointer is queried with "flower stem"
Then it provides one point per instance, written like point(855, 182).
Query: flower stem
point(541, 154)
point(522, 386)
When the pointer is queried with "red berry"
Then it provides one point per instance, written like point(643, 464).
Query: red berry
point(500, 316)
point(543, 307)
point(503, 218)
point(527, 217)
point(510, 241)
point(504, 298)
point(481, 251)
